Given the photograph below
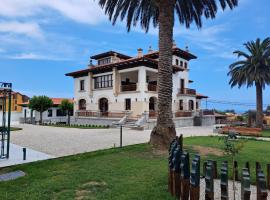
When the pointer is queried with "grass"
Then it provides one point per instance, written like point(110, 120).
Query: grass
point(134, 172)
point(266, 133)
point(15, 129)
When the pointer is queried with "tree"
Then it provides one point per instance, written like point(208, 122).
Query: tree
point(232, 148)
point(67, 107)
point(40, 104)
point(253, 69)
point(161, 13)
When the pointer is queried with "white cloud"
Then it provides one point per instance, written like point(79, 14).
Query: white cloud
point(83, 11)
point(34, 56)
point(29, 29)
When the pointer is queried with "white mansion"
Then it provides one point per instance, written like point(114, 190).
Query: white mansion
point(120, 85)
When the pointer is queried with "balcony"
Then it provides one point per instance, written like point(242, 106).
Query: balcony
point(129, 87)
point(88, 113)
point(183, 114)
point(187, 91)
point(152, 87)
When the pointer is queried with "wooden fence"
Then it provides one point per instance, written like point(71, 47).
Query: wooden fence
point(184, 183)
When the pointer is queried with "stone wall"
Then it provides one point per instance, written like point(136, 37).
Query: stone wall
point(93, 121)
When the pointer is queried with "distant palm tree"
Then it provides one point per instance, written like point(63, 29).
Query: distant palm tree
point(161, 13)
point(253, 69)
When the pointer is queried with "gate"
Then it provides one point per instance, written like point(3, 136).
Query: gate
point(5, 108)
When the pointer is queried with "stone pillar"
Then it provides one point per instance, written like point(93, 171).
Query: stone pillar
point(141, 86)
point(91, 85)
point(116, 77)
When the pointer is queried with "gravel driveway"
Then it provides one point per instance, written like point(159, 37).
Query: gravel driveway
point(68, 141)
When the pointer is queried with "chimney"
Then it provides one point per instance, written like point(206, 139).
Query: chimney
point(150, 50)
point(174, 44)
point(140, 52)
point(91, 63)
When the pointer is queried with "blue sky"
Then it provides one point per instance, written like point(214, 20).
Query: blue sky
point(42, 40)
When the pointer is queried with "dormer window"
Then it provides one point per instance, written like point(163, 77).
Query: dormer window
point(104, 61)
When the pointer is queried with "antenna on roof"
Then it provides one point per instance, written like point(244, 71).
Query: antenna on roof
point(150, 50)
point(187, 49)
point(174, 44)
point(91, 63)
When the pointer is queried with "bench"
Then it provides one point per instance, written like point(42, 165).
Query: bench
point(243, 131)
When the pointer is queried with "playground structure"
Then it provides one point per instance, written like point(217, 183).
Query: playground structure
point(5, 111)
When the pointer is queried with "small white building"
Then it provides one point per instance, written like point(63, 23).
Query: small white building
point(52, 115)
point(120, 85)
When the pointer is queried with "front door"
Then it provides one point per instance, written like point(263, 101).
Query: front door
point(103, 106)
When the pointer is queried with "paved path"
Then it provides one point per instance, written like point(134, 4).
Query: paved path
point(16, 156)
point(68, 141)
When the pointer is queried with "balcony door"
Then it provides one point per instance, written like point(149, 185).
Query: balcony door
point(103, 106)
point(182, 86)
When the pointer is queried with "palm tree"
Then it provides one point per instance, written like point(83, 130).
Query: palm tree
point(253, 69)
point(161, 13)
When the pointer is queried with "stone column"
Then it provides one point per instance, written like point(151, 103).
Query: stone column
point(116, 78)
point(141, 86)
point(91, 86)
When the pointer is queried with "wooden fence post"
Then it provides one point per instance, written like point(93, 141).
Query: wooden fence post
point(245, 184)
point(209, 182)
point(224, 182)
point(195, 179)
point(172, 148)
point(185, 176)
point(261, 186)
point(235, 166)
point(268, 176)
point(176, 172)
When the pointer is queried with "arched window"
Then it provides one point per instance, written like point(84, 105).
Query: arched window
point(191, 105)
point(82, 104)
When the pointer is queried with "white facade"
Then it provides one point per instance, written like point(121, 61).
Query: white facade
point(137, 83)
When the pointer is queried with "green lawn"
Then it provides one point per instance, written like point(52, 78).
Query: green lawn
point(15, 129)
point(266, 133)
point(134, 172)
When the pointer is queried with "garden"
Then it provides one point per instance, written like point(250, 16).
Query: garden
point(119, 173)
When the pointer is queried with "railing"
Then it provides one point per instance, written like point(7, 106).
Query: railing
point(152, 114)
point(152, 87)
point(207, 112)
point(88, 113)
point(183, 114)
point(130, 87)
point(187, 91)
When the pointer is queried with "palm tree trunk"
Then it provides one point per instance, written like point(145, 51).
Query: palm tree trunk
point(259, 103)
point(164, 132)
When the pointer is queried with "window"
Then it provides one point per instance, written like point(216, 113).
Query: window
point(181, 63)
point(128, 104)
point(103, 81)
point(82, 104)
point(197, 105)
point(104, 61)
point(81, 85)
point(186, 65)
point(191, 105)
point(1, 107)
point(15, 107)
point(49, 113)
point(181, 105)
point(60, 113)
point(177, 61)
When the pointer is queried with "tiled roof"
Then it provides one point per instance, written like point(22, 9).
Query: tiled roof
point(201, 96)
point(110, 53)
point(56, 101)
point(129, 62)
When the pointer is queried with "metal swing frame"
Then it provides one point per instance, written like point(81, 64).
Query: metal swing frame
point(5, 102)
